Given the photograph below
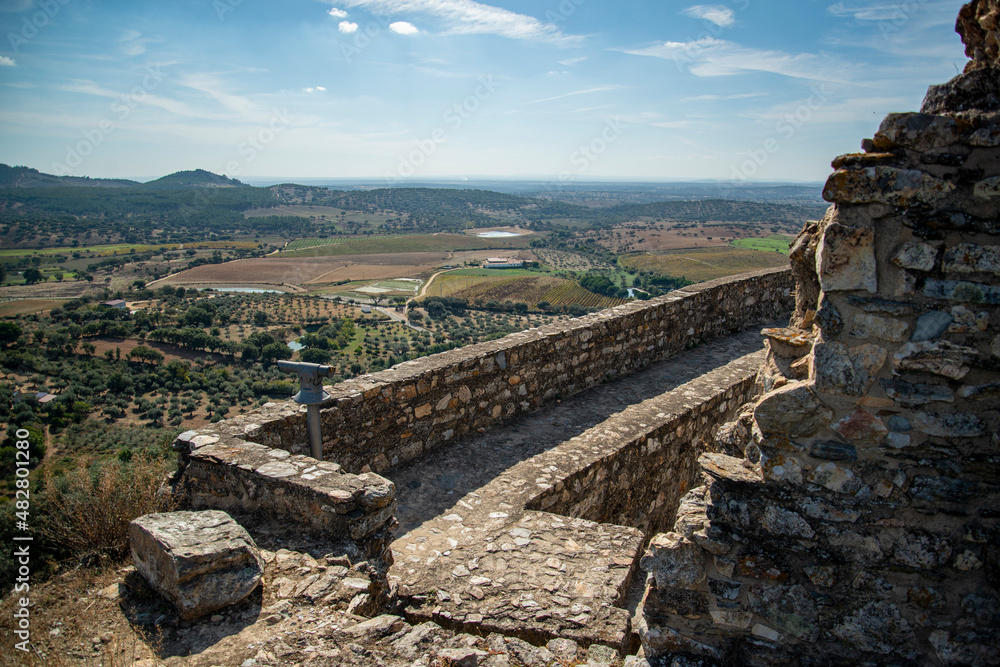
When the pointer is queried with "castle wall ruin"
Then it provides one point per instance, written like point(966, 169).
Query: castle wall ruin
point(863, 523)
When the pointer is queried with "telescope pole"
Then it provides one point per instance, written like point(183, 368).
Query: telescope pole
point(315, 432)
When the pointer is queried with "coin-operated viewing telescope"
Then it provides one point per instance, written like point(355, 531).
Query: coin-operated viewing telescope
point(310, 394)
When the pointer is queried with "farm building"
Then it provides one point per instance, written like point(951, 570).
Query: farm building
point(503, 263)
point(115, 303)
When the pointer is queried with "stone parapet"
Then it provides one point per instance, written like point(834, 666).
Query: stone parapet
point(380, 421)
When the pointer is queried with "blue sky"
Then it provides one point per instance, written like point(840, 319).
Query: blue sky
point(394, 89)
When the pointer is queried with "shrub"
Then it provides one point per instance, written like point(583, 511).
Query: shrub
point(87, 510)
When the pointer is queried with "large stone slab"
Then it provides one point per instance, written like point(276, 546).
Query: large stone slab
point(200, 561)
point(846, 259)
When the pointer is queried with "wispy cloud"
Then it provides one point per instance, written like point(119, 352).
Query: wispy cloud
point(337, 13)
point(713, 98)
point(214, 88)
point(7, 62)
point(718, 57)
point(585, 91)
point(347, 27)
point(879, 11)
point(467, 17)
point(403, 28)
point(315, 89)
point(569, 62)
point(149, 99)
point(717, 14)
point(134, 44)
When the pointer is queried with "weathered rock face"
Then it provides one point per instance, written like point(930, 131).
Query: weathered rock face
point(867, 531)
point(977, 23)
point(200, 561)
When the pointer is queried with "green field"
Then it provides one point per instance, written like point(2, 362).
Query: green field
point(407, 243)
point(122, 248)
point(774, 243)
point(302, 244)
point(492, 272)
point(701, 264)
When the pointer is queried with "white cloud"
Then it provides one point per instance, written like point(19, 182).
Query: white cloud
point(569, 62)
point(467, 17)
point(717, 14)
point(316, 89)
point(7, 62)
point(347, 27)
point(718, 57)
point(337, 13)
point(403, 28)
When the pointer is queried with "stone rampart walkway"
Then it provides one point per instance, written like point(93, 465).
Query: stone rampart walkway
point(470, 555)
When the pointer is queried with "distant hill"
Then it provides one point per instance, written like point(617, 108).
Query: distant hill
point(26, 177)
point(199, 178)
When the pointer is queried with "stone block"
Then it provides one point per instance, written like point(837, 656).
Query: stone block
point(939, 357)
point(885, 185)
point(831, 450)
point(908, 393)
point(931, 326)
point(970, 258)
point(834, 477)
point(878, 627)
point(674, 561)
point(793, 410)
point(200, 561)
point(949, 425)
point(861, 426)
point(848, 371)
point(922, 132)
point(960, 290)
point(846, 259)
point(916, 256)
point(873, 326)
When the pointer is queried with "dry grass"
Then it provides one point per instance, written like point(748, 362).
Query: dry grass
point(28, 306)
point(88, 510)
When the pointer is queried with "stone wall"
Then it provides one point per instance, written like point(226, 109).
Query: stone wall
point(863, 524)
point(633, 469)
point(379, 421)
point(258, 484)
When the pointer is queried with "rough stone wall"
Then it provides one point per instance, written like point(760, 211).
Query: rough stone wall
point(864, 523)
point(633, 469)
point(258, 484)
point(383, 420)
